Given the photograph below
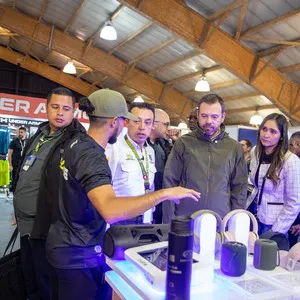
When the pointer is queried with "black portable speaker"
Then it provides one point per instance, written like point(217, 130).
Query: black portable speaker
point(121, 237)
point(233, 258)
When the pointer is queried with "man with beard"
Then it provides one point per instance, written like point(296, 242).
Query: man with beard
point(132, 161)
point(209, 161)
point(86, 201)
point(15, 150)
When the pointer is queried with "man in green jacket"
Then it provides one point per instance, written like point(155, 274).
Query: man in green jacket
point(209, 161)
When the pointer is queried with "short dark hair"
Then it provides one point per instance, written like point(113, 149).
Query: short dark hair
point(248, 142)
point(23, 128)
point(295, 135)
point(212, 99)
point(61, 91)
point(142, 105)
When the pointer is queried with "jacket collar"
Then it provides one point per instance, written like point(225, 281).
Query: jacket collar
point(200, 134)
point(74, 125)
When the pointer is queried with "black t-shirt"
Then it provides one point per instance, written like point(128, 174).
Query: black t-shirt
point(17, 146)
point(75, 236)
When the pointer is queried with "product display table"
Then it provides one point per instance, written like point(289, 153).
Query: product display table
point(128, 282)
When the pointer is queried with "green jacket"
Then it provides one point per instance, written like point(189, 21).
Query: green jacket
point(217, 169)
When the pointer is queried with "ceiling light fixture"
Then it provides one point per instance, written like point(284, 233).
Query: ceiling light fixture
point(138, 99)
point(108, 32)
point(202, 85)
point(256, 119)
point(69, 68)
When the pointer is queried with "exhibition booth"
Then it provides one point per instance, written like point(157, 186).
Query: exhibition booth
point(230, 263)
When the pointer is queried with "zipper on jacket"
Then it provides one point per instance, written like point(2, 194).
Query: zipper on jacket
point(208, 174)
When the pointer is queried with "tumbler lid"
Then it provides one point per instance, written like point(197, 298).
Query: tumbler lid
point(182, 225)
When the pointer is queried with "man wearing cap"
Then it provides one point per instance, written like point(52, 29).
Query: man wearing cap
point(86, 201)
point(132, 161)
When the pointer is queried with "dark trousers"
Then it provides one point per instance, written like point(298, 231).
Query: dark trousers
point(83, 284)
point(13, 175)
point(28, 269)
point(36, 268)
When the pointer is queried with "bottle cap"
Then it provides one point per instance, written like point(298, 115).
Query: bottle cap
point(182, 225)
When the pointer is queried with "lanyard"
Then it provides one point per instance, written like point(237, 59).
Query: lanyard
point(144, 171)
point(41, 142)
point(22, 146)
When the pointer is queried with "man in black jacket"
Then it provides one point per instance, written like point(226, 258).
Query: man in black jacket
point(36, 188)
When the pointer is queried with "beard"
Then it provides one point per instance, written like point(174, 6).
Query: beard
point(114, 137)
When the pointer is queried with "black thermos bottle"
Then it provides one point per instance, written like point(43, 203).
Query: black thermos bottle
point(180, 259)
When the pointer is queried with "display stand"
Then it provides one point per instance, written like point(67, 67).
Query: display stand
point(128, 282)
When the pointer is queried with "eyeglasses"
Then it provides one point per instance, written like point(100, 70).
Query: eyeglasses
point(167, 124)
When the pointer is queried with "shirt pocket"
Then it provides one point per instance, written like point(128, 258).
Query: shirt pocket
point(130, 170)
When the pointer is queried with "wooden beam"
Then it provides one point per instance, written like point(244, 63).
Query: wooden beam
point(240, 97)
point(46, 71)
point(220, 12)
point(248, 109)
point(87, 70)
point(241, 20)
point(196, 74)
point(262, 40)
point(153, 50)
point(95, 58)
point(290, 68)
point(175, 62)
point(131, 37)
point(8, 34)
point(272, 50)
point(271, 22)
point(74, 16)
point(268, 63)
point(221, 47)
point(215, 86)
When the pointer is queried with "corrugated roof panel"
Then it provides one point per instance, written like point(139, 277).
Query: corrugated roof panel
point(280, 8)
point(168, 54)
point(126, 90)
point(149, 39)
point(111, 83)
point(91, 16)
point(60, 12)
point(126, 24)
point(39, 50)
point(190, 66)
point(215, 77)
point(294, 76)
point(280, 31)
point(288, 57)
point(19, 43)
point(93, 76)
point(247, 102)
point(30, 7)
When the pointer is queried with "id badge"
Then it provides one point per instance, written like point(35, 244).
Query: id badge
point(29, 162)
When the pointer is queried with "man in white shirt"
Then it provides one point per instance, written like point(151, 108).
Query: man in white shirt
point(132, 160)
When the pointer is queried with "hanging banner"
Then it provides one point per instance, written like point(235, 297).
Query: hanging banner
point(30, 108)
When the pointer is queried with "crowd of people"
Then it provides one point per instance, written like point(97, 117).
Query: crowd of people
point(71, 183)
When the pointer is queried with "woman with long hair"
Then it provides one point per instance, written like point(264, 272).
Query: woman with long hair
point(275, 174)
